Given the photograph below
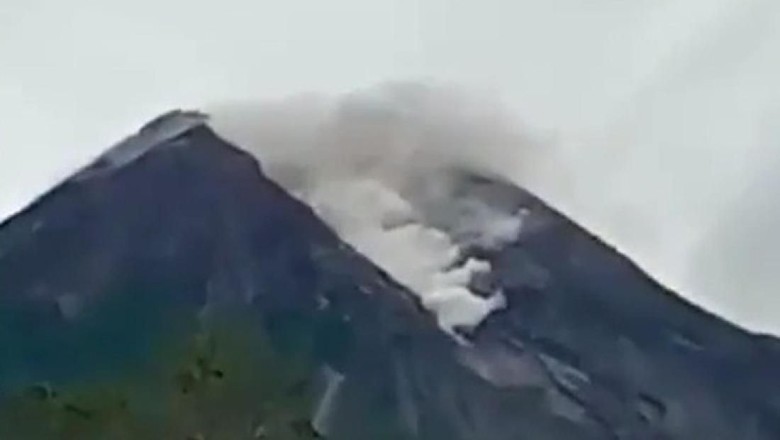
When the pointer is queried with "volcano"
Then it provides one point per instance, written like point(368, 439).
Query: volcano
point(171, 289)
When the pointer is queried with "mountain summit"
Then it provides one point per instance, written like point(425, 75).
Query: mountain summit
point(172, 290)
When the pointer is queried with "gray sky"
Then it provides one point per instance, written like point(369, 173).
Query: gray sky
point(661, 115)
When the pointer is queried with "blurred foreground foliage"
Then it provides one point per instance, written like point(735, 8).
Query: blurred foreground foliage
point(222, 381)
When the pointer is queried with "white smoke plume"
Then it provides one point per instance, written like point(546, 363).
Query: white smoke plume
point(375, 163)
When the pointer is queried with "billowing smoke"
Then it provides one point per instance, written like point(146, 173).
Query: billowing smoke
point(378, 164)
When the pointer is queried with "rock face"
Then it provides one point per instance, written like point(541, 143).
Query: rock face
point(174, 227)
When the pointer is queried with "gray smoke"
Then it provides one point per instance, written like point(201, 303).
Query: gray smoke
point(377, 163)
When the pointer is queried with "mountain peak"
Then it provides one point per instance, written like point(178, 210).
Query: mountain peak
point(157, 132)
point(176, 120)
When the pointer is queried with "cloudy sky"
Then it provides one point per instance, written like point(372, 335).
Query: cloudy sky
point(661, 118)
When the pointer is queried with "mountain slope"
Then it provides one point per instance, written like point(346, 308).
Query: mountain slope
point(636, 356)
point(176, 236)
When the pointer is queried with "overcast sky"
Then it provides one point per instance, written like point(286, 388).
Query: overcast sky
point(664, 115)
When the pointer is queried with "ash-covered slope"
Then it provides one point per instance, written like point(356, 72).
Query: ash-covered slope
point(175, 229)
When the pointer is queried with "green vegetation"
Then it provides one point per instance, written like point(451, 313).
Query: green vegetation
point(225, 382)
